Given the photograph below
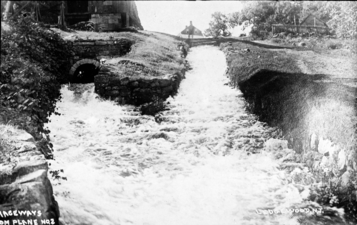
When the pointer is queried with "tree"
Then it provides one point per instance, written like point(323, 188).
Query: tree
point(43, 11)
point(263, 14)
point(343, 19)
point(218, 26)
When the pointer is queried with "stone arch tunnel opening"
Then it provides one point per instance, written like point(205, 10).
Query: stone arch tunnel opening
point(85, 74)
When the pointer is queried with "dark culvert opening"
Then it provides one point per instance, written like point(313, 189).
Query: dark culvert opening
point(85, 74)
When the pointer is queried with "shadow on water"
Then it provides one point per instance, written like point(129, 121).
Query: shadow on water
point(286, 100)
point(311, 110)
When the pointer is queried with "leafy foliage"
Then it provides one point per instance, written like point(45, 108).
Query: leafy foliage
point(44, 11)
point(218, 26)
point(344, 19)
point(263, 14)
point(340, 16)
point(34, 61)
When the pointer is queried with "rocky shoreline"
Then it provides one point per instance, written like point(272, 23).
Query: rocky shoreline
point(25, 186)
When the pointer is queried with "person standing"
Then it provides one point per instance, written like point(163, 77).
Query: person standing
point(191, 30)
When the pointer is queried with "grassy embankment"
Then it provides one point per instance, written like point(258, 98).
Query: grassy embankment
point(34, 62)
point(156, 51)
point(312, 110)
point(145, 75)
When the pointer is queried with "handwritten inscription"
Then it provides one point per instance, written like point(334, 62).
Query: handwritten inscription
point(10, 218)
point(290, 211)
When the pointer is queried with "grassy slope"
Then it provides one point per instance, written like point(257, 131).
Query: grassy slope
point(156, 51)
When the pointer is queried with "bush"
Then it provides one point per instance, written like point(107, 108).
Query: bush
point(334, 44)
point(34, 62)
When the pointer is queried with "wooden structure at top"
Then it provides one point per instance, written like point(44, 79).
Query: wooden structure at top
point(310, 24)
point(105, 15)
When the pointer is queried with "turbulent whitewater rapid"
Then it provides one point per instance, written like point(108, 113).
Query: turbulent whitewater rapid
point(190, 169)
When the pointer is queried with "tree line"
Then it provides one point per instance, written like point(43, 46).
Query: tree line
point(341, 17)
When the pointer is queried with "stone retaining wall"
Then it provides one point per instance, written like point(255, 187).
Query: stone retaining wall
point(135, 89)
point(95, 48)
point(24, 184)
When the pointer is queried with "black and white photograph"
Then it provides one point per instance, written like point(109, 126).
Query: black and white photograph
point(178, 113)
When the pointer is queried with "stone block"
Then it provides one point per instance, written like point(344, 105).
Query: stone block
point(82, 43)
point(134, 84)
point(114, 93)
point(124, 91)
point(24, 136)
point(115, 81)
point(167, 90)
point(155, 83)
point(165, 82)
point(125, 81)
point(101, 79)
point(144, 83)
point(105, 53)
point(101, 42)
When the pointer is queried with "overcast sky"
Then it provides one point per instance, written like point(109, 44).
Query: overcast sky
point(172, 16)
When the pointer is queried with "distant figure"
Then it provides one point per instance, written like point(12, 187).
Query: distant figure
point(183, 51)
point(191, 30)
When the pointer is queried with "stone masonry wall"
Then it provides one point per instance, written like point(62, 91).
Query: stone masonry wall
point(128, 88)
point(94, 48)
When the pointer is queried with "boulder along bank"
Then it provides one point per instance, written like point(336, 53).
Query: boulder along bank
point(25, 191)
point(317, 113)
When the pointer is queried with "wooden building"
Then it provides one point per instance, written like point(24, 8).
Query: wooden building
point(106, 15)
point(310, 24)
point(312, 20)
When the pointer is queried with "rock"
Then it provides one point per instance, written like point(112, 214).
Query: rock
point(124, 81)
point(26, 186)
point(345, 178)
point(276, 144)
point(165, 82)
point(341, 159)
point(314, 141)
point(28, 147)
point(134, 84)
point(302, 44)
point(152, 108)
point(326, 146)
point(24, 136)
point(159, 135)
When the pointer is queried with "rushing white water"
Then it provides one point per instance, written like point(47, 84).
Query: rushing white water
point(191, 169)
